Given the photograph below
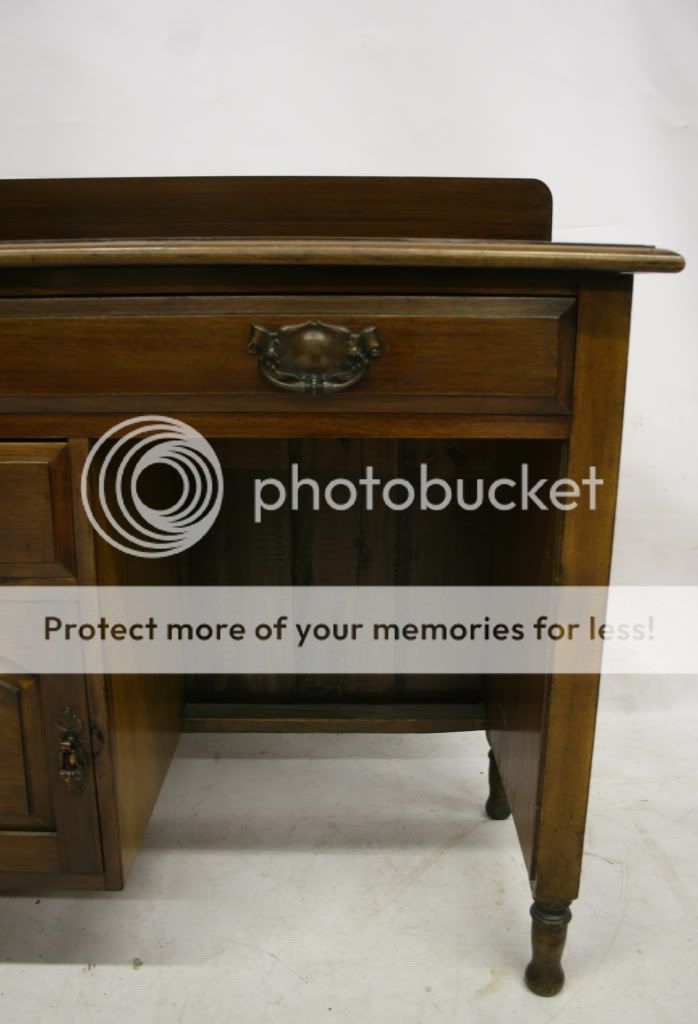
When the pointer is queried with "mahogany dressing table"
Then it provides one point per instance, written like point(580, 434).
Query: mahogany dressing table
point(476, 343)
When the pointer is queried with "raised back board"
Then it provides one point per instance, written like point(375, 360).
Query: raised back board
point(99, 208)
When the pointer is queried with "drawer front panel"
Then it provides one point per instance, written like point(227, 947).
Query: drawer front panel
point(439, 354)
point(36, 523)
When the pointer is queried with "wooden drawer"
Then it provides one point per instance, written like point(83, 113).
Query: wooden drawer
point(494, 354)
point(36, 522)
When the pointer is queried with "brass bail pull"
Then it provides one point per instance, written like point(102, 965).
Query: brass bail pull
point(314, 357)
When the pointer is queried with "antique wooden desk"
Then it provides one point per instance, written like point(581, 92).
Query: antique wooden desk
point(126, 297)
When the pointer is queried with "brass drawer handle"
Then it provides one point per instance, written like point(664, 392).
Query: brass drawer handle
point(313, 357)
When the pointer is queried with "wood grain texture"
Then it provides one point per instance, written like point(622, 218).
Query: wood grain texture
point(30, 880)
point(45, 828)
point(25, 792)
point(326, 547)
point(585, 560)
point(289, 207)
point(143, 713)
point(544, 974)
point(526, 553)
point(122, 297)
point(257, 279)
point(541, 729)
point(76, 814)
point(447, 548)
point(320, 424)
point(330, 548)
point(36, 853)
point(36, 528)
point(438, 252)
point(476, 354)
point(335, 718)
point(97, 686)
point(145, 722)
point(57, 837)
point(236, 551)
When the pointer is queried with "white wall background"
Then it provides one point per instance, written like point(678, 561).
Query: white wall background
point(599, 99)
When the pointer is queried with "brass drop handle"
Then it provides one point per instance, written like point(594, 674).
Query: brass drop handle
point(313, 357)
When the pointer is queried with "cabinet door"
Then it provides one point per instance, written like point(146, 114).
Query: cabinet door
point(48, 809)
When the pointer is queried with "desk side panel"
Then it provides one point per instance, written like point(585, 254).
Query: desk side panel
point(144, 713)
point(542, 730)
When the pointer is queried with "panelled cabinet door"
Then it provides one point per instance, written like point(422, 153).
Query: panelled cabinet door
point(48, 808)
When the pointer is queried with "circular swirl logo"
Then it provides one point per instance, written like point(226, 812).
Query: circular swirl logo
point(122, 458)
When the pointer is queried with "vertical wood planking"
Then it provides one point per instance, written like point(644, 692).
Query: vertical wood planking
point(343, 548)
point(447, 547)
point(239, 552)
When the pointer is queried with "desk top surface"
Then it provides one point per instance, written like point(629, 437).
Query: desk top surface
point(432, 252)
point(500, 223)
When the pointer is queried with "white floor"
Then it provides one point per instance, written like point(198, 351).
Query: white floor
point(355, 879)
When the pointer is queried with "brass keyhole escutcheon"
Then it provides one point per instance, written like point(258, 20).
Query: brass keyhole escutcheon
point(72, 756)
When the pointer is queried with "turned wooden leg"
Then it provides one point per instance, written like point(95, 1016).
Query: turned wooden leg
point(544, 974)
point(497, 805)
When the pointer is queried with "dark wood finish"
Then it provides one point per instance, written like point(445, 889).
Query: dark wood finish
point(238, 552)
point(343, 548)
point(544, 974)
point(526, 552)
point(25, 792)
point(450, 551)
point(336, 718)
point(146, 720)
point(130, 296)
point(259, 279)
point(481, 355)
point(77, 819)
point(36, 530)
point(47, 832)
point(497, 805)
point(40, 881)
point(44, 826)
point(318, 252)
point(144, 712)
point(350, 548)
point(541, 731)
point(220, 207)
point(585, 560)
point(49, 836)
point(270, 425)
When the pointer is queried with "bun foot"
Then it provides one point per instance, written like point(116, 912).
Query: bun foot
point(544, 974)
point(497, 806)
